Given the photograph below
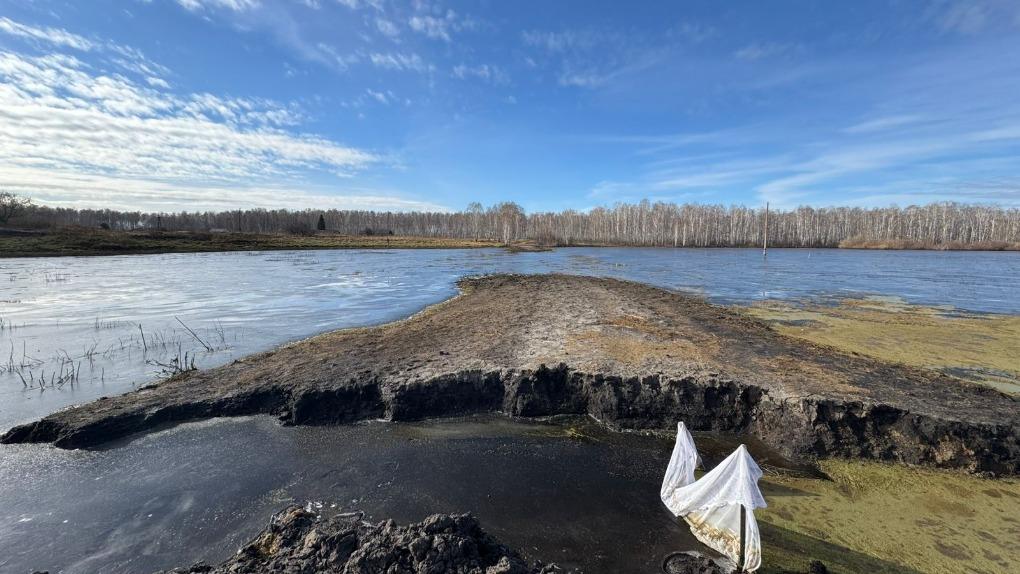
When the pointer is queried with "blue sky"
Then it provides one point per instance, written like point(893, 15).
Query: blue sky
point(377, 104)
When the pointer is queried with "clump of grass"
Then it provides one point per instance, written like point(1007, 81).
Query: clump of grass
point(181, 362)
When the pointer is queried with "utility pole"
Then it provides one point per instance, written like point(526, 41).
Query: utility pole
point(765, 242)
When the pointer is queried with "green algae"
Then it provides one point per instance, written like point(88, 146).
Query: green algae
point(879, 517)
point(976, 347)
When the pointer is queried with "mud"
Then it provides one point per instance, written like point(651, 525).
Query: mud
point(629, 355)
point(297, 541)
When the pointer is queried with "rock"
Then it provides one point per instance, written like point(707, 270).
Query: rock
point(298, 541)
point(817, 567)
point(690, 563)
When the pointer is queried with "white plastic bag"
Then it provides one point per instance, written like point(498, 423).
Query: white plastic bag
point(712, 505)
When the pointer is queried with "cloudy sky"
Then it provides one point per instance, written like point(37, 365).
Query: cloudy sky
point(217, 104)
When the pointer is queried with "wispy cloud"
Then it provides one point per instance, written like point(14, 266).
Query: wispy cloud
point(439, 28)
point(398, 61)
point(883, 123)
point(235, 5)
point(55, 36)
point(387, 28)
point(590, 57)
point(970, 17)
point(762, 50)
point(483, 72)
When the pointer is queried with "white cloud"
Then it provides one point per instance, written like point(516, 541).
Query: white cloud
point(55, 36)
point(61, 120)
point(125, 57)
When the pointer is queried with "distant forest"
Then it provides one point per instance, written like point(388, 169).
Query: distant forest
point(645, 223)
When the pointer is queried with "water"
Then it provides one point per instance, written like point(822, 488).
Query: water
point(117, 322)
point(200, 490)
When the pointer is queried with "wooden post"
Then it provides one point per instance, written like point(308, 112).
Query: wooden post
point(743, 541)
point(765, 242)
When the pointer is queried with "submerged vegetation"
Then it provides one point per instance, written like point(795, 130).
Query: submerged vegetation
point(976, 347)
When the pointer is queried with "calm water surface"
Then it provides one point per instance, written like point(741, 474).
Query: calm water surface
point(198, 491)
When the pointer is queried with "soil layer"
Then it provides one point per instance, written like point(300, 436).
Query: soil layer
point(630, 355)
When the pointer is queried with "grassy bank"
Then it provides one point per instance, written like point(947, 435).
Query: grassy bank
point(922, 245)
point(103, 242)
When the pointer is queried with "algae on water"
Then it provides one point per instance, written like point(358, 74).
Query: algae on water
point(976, 347)
point(880, 517)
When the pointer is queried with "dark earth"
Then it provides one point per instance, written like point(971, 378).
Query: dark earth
point(298, 541)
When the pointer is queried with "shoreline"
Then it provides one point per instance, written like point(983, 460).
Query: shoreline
point(99, 243)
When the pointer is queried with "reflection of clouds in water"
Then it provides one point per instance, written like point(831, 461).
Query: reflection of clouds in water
point(354, 281)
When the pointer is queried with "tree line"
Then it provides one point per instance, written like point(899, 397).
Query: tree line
point(640, 224)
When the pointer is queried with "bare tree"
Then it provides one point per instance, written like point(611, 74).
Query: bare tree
point(12, 205)
point(646, 223)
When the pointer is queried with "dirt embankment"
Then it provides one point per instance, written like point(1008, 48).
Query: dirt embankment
point(630, 355)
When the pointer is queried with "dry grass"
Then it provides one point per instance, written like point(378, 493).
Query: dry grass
point(79, 241)
point(857, 243)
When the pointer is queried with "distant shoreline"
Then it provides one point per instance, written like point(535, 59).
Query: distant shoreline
point(98, 242)
point(88, 242)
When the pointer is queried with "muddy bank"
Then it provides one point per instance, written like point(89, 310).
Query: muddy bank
point(299, 541)
point(630, 355)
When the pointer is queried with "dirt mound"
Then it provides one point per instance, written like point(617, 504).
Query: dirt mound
point(300, 542)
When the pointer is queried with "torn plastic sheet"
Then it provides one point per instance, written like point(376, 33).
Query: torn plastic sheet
point(712, 504)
